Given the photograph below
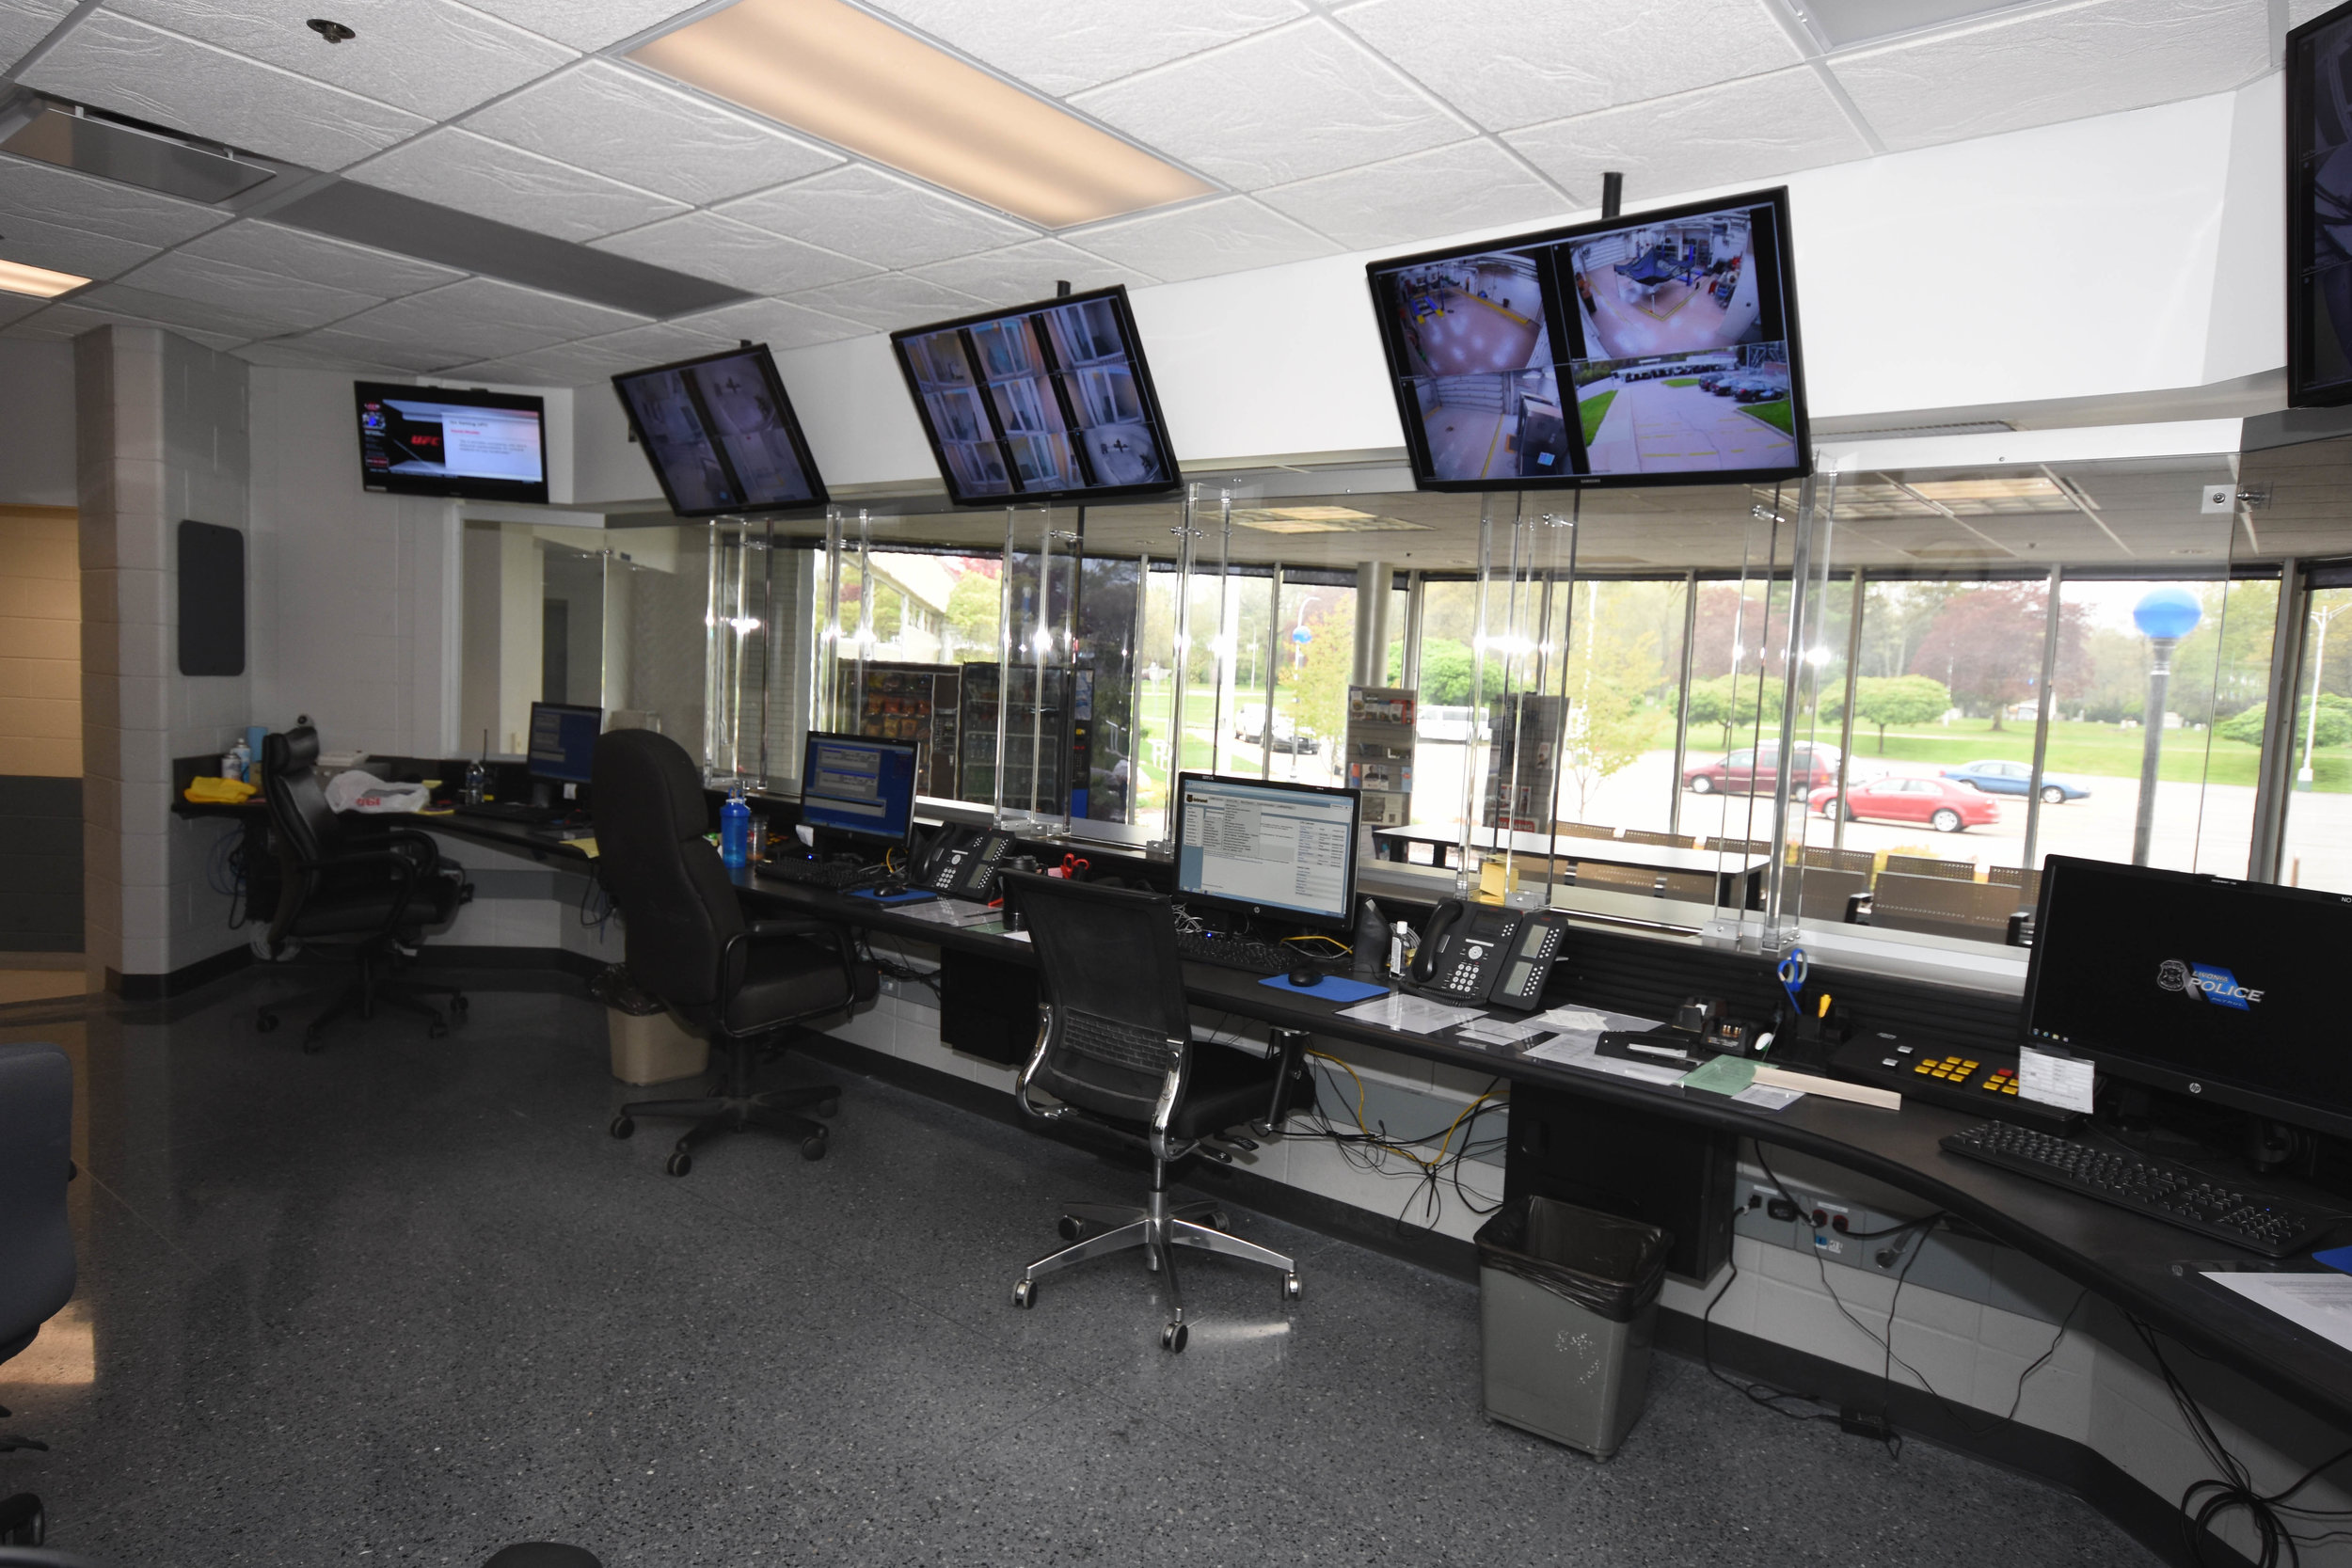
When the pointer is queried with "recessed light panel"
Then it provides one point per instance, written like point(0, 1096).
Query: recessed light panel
point(18, 278)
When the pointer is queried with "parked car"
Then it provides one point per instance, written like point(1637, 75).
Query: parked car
point(1250, 726)
point(1942, 804)
point(2015, 778)
point(1437, 721)
point(1752, 767)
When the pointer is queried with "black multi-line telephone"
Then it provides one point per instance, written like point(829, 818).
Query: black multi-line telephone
point(1487, 953)
point(963, 863)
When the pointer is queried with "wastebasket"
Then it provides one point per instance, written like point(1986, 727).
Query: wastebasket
point(1567, 1306)
point(648, 1045)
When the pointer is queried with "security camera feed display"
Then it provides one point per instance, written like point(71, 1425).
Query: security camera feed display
point(720, 435)
point(1646, 350)
point(1046, 401)
point(2319, 212)
point(440, 441)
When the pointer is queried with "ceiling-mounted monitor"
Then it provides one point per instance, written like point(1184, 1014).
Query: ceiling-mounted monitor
point(1658, 348)
point(2319, 211)
point(445, 441)
point(1048, 401)
point(720, 435)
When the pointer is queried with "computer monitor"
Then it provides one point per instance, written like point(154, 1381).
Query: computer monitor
point(564, 740)
point(862, 788)
point(2203, 985)
point(451, 441)
point(1286, 851)
point(720, 435)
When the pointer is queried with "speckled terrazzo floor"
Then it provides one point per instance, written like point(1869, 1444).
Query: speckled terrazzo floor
point(405, 1302)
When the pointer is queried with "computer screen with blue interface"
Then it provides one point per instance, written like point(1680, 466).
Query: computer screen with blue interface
point(851, 784)
point(564, 740)
point(1267, 849)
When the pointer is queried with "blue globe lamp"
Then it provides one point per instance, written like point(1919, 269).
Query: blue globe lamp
point(2164, 616)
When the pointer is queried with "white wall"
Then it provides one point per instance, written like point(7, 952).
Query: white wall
point(36, 423)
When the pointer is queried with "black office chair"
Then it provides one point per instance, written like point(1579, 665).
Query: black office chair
point(741, 985)
point(372, 897)
point(1115, 1049)
point(35, 1244)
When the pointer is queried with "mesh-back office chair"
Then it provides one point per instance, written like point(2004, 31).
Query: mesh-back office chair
point(35, 1244)
point(740, 984)
point(1115, 1048)
point(373, 897)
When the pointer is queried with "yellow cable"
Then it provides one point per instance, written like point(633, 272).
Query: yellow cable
point(1320, 937)
point(1427, 1162)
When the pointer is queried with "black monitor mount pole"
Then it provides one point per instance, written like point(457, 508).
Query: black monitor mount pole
point(1612, 194)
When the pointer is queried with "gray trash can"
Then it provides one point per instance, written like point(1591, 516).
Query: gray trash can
point(1567, 1303)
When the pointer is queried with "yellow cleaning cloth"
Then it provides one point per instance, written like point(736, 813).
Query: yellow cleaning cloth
point(204, 790)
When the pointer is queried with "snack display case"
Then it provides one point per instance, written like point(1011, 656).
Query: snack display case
point(911, 701)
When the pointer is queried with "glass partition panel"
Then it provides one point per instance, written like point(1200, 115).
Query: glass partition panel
point(2317, 847)
point(1622, 669)
point(1313, 653)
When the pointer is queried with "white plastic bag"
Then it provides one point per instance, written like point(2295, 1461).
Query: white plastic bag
point(354, 790)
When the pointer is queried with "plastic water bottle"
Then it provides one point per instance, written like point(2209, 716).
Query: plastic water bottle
point(244, 758)
point(735, 829)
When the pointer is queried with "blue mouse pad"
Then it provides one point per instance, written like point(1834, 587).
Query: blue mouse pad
point(2337, 1258)
point(912, 895)
point(1330, 988)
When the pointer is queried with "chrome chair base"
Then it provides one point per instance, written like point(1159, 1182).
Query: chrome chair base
point(1100, 1229)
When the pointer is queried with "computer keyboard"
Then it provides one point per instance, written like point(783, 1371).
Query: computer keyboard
point(835, 874)
point(2242, 1216)
point(514, 811)
point(1242, 953)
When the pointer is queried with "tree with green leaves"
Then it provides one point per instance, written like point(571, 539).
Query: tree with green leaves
point(971, 606)
point(1883, 699)
point(1729, 701)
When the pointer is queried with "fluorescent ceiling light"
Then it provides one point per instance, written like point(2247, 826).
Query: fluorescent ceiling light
point(39, 282)
point(1320, 519)
point(838, 72)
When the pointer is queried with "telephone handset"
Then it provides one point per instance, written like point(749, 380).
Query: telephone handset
point(963, 863)
point(1488, 953)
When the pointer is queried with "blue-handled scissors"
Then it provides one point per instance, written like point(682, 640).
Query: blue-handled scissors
point(1791, 972)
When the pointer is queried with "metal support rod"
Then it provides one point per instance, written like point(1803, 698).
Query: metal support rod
point(1409, 668)
point(1612, 194)
point(2151, 744)
point(1682, 702)
point(1003, 669)
point(1791, 696)
point(2266, 852)
point(1273, 671)
point(1462, 878)
point(1845, 735)
point(2043, 711)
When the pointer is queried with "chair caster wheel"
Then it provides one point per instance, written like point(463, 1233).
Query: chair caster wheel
point(264, 1023)
point(1024, 1294)
point(1290, 1288)
point(813, 1148)
point(1221, 1220)
point(459, 1007)
point(21, 1521)
point(825, 1110)
point(1072, 1229)
point(622, 1125)
point(680, 1162)
point(1172, 1338)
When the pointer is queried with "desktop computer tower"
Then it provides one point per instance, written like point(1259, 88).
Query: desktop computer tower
point(1620, 1161)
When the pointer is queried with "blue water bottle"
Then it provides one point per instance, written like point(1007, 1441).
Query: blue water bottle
point(735, 829)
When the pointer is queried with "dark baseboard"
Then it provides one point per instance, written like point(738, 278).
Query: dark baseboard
point(2060, 1462)
point(179, 982)
point(450, 956)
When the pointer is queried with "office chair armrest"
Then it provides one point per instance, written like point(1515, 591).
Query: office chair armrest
point(804, 927)
point(1021, 1099)
point(1171, 1095)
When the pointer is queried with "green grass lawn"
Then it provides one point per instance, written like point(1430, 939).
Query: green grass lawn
point(1682, 381)
point(1594, 412)
point(1775, 412)
point(2091, 751)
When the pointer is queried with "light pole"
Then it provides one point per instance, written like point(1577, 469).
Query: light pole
point(2311, 723)
point(2164, 616)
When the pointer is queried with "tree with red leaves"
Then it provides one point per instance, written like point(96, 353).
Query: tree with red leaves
point(1985, 645)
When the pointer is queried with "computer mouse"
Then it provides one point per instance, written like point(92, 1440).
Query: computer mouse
point(1305, 975)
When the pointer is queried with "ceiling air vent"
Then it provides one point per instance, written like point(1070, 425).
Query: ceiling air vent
point(112, 148)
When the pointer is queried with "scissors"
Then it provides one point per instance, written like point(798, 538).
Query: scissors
point(1791, 972)
point(1073, 865)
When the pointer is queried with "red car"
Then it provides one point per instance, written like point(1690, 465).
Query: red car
point(1942, 804)
point(1749, 770)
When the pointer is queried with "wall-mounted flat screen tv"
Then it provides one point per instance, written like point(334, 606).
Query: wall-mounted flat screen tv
point(445, 441)
point(1658, 348)
point(720, 435)
point(1048, 401)
point(2319, 211)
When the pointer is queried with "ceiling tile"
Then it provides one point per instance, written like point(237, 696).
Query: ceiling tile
point(473, 174)
point(24, 23)
point(2095, 59)
point(127, 66)
point(303, 353)
point(614, 122)
point(708, 246)
point(1021, 273)
point(98, 206)
point(491, 299)
point(434, 57)
point(1446, 190)
point(265, 295)
point(482, 319)
point(1284, 106)
point(890, 301)
point(564, 364)
point(587, 24)
point(337, 346)
point(315, 258)
point(14, 307)
point(72, 321)
point(1234, 234)
point(1063, 46)
point(241, 323)
point(1585, 54)
point(778, 323)
point(877, 217)
point(658, 344)
point(1716, 136)
point(62, 249)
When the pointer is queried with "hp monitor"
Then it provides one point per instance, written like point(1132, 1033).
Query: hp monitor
point(1286, 851)
point(859, 787)
point(720, 435)
point(564, 740)
point(2224, 989)
point(1049, 401)
point(1656, 349)
point(444, 441)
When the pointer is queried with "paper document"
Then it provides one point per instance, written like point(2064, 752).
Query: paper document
point(1579, 1020)
point(1500, 1031)
point(1576, 1050)
point(1415, 1015)
point(2060, 1080)
point(2321, 1303)
point(1765, 1097)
